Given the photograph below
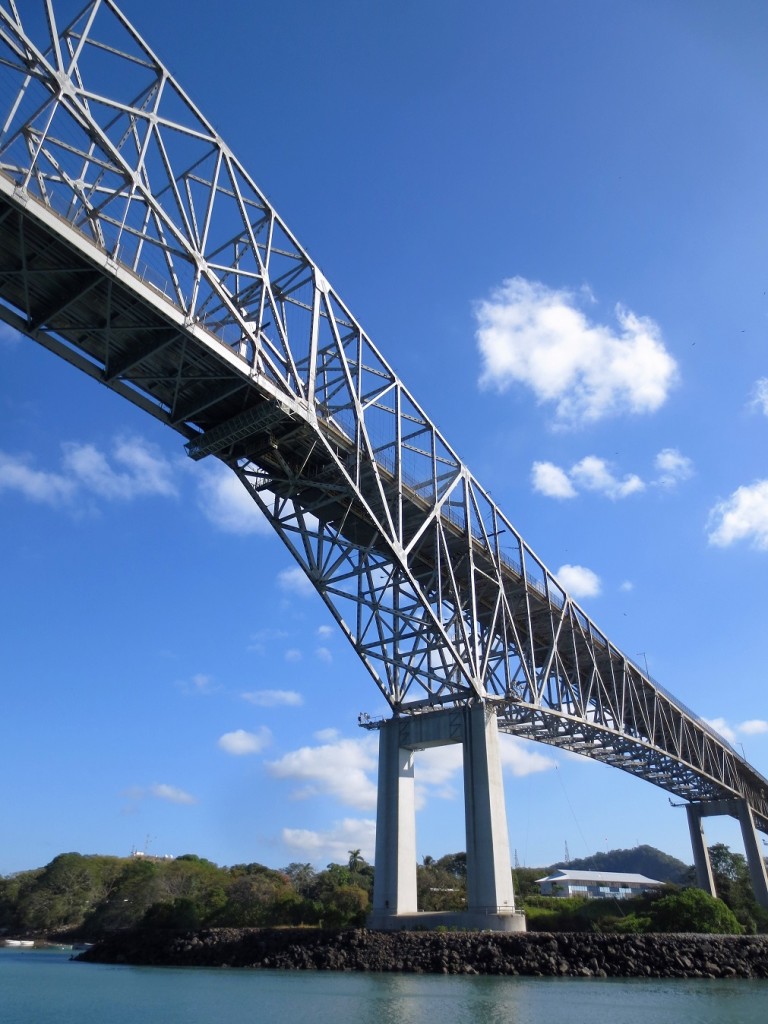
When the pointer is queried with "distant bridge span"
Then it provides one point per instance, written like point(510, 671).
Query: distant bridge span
point(134, 245)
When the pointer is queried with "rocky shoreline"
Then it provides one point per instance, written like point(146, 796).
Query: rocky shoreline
point(536, 954)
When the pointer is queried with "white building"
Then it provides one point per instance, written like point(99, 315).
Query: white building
point(596, 885)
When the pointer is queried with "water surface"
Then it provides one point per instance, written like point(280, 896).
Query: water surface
point(41, 987)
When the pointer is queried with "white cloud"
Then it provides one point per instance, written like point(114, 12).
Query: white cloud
point(594, 474)
point(171, 793)
point(753, 727)
point(742, 516)
point(35, 484)
point(144, 470)
point(551, 481)
point(227, 504)
point(720, 725)
point(339, 769)
point(345, 769)
point(141, 471)
point(274, 698)
point(520, 757)
point(198, 684)
point(335, 844)
point(324, 655)
point(673, 467)
point(437, 765)
point(627, 586)
point(578, 581)
point(435, 771)
point(537, 336)
point(241, 743)
point(295, 581)
point(293, 654)
point(760, 395)
point(436, 768)
point(325, 631)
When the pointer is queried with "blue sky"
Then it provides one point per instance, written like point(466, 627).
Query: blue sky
point(552, 219)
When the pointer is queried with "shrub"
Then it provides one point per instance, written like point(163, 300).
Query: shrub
point(693, 910)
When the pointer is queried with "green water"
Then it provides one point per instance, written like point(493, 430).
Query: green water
point(39, 987)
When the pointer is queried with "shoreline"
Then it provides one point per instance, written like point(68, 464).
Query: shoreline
point(532, 954)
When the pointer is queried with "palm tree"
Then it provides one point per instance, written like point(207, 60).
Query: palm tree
point(355, 860)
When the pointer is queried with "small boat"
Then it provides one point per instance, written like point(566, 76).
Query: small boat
point(23, 943)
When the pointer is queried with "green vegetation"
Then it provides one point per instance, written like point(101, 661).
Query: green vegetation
point(442, 884)
point(90, 896)
point(734, 888)
point(684, 910)
point(675, 909)
point(693, 910)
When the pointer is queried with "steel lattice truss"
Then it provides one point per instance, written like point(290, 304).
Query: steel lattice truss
point(136, 246)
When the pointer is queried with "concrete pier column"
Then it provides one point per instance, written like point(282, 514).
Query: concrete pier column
point(394, 890)
point(704, 877)
point(490, 898)
point(752, 848)
point(489, 872)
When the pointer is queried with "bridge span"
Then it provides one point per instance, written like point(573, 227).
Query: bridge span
point(134, 245)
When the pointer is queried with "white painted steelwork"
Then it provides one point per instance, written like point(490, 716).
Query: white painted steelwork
point(135, 245)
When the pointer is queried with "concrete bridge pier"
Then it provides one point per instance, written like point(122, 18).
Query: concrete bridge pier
point(738, 809)
point(395, 880)
point(755, 860)
point(701, 862)
point(490, 896)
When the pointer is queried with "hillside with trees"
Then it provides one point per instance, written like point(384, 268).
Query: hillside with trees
point(640, 860)
point(86, 897)
point(90, 896)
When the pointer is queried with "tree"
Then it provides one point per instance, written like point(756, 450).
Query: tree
point(347, 906)
point(302, 877)
point(734, 887)
point(355, 860)
point(65, 891)
point(258, 899)
point(195, 879)
point(455, 863)
point(727, 866)
point(182, 913)
point(438, 888)
point(14, 895)
point(693, 910)
point(342, 895)
point(136, 888)
point(525, 882)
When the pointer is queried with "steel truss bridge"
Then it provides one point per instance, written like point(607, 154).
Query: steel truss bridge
point(136, 246)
